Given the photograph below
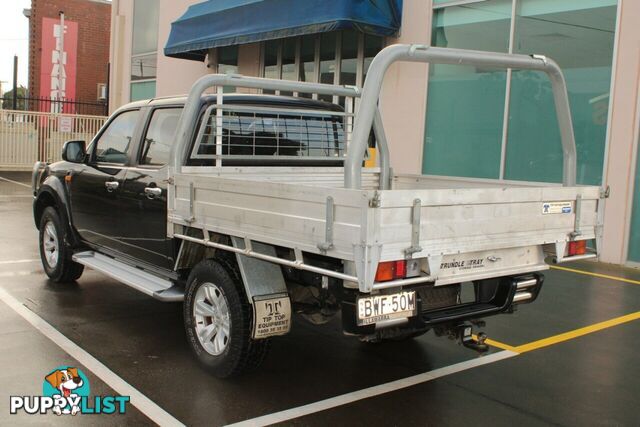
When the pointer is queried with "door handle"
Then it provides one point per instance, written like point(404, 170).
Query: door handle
point(152, 192)
point(111, 185)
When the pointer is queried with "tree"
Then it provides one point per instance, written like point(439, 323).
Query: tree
point(7, 99)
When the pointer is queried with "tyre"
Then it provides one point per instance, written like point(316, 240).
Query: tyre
point(54, 250)
point(218, 320)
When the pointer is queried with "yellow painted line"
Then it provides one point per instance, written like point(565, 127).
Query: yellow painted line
point(502, 346)
point(496, 344)
point(576, 333)
point(603, 276)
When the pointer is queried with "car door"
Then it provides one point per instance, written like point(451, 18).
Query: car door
point(95, 189)
point(144, 192)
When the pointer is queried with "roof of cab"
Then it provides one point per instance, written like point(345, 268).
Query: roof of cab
point(237, 98)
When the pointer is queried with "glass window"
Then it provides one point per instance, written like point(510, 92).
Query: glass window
point(327, 57)
point(157, 142)
point(145, 45)
point(271, 70)
point(307, 58)
point(372, 45)
point(228, 63)
point(143, 90)
point(143, 67)
point(115, 142)
point(271, 48)
point(307, 61)
point(579, 36)
point(349, 58)
point(267, 134)
point(465, 109)
point(289, 48)
point(327, 60)
point(145, 26)
point(228, 60)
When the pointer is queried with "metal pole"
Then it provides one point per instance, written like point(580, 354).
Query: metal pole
point(15, 82)
point(419, 53)
point(106, 106)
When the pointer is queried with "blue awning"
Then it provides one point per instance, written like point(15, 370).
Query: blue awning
point(217, 23)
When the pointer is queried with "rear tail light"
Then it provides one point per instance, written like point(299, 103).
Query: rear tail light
point(391, 270)
point(578, 247)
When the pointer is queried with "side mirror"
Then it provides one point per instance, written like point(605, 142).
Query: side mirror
point(74, 151)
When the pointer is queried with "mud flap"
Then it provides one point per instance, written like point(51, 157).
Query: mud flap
point(266, 290)
point(272, 316)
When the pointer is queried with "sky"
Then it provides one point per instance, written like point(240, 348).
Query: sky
point(14, 40)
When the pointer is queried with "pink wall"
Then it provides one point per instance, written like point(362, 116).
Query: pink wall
point(623, 134)
point(404, 92)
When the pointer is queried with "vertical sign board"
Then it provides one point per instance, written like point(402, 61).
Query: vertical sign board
point(58, 62)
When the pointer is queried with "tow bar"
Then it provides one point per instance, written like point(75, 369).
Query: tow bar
point(467, 339)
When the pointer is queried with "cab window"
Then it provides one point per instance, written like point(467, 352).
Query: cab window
point(114, 144)
point(156, 146)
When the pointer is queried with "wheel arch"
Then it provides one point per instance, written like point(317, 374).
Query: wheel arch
point(44, 200)
point(53, 194)
point(259, 278)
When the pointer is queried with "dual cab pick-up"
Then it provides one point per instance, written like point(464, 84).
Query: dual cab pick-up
point(252, 207)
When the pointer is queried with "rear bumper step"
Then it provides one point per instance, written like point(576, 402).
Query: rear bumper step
point(507, 292)
point(492, 297)
point(159, 288)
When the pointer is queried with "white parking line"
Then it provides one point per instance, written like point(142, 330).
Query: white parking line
point(15, 182)
point(344, 399)
point(15, 273)
point(139, 400)
point(19, 261)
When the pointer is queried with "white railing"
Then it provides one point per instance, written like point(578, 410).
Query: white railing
point(27, 137)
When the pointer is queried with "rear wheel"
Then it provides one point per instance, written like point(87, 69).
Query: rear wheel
point(218, 320)
point(54, 250)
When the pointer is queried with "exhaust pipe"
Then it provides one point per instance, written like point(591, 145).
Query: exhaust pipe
point(526, 283)
point(527, 288)
point(522, 296)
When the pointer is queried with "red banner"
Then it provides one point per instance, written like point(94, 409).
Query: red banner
point(58, 62)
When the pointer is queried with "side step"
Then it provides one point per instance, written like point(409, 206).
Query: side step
point(160, 289)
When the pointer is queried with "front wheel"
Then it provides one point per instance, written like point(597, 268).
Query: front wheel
point(54, 251)
point(218, 320)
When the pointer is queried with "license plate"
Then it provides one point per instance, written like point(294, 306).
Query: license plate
point(386, 307)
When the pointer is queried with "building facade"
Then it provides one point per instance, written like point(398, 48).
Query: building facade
point(448, 119)
point(73, 64)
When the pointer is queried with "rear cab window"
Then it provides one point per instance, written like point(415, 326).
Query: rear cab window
point(260, 135)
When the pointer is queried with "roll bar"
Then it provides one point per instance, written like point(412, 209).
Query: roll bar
point(366, 116)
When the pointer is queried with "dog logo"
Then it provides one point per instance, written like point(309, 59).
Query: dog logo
point(65, 391)
point(67, 383)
